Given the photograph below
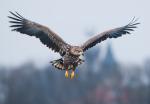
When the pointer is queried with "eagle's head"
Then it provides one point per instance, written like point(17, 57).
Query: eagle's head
point(76, 50)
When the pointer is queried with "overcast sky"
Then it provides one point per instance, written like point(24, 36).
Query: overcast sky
point(71, 19)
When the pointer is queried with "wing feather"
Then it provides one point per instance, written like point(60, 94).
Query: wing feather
point(46, 36)
point(113, 33)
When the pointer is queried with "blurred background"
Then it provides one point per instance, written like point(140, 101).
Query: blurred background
point(117, 71)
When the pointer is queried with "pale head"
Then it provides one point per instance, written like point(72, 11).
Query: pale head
point(76, 50)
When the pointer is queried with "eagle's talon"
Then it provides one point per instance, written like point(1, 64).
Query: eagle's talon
point(72, 75)
point(66, 74)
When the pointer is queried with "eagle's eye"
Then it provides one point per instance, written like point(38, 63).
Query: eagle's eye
point(77, 51)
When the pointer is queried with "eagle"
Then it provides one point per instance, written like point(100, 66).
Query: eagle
point(70, 55)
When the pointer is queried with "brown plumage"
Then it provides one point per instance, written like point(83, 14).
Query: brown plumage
point(70, 54)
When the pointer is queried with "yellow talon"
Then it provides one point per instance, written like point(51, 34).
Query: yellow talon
point(66, 74)
point(72, 75)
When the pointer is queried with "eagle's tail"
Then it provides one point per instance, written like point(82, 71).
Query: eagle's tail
point(59, 64)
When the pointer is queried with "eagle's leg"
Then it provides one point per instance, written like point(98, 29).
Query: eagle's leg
point(72, 73)
point(66, 73)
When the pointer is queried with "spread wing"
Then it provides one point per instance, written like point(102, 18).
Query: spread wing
point(113, 33)
point(46, 36)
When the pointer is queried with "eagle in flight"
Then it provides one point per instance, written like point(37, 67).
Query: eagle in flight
point(70, 54)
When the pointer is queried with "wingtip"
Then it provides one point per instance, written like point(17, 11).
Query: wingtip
point(16, 14)
point(19, 14)
point(10, 11)
point(15, 29)
point(134, 21)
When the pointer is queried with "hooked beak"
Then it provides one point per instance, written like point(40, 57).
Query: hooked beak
point(81, 53)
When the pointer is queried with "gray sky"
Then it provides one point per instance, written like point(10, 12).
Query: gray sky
point(71, 19)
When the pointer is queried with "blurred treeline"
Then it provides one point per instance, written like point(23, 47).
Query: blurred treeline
point(99, 81)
